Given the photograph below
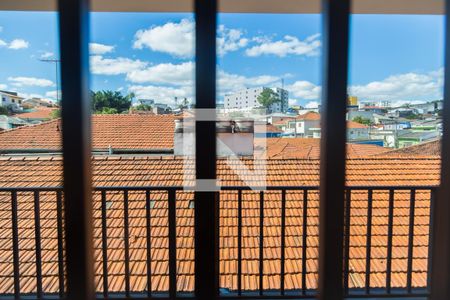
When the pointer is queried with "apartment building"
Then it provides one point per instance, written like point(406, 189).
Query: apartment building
point(248, 99)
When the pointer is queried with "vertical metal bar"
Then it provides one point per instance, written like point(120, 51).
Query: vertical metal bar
point(172, 245)
point(149, 244)
point(74, 39)
point(430, 238)
point(332, 171)
point(59, 223)
point(409, 271)
point(389, 241)
point(37, 240)
point(304, 239)
point(126, 241)
point(261, 242)
point(15, 241)
point(440, 276)
point(239, 282)
point(348, 205)
point(368, 239)
point(206, 202)
point(104, 244)
point(283, 239)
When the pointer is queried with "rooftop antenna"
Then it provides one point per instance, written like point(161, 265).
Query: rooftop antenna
point(56, 62)
point(282, 83)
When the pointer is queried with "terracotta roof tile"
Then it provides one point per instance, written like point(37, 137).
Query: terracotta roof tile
point(423, 149)
point(43, 113)
point(352, 124)
point(309, 116)
point(117, 131)
point(286, 148)
point(147, 171)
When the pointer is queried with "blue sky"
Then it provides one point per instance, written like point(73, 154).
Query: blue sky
point(397, 58)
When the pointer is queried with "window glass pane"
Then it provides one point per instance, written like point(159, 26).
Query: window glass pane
point(394, 125)
point(30, 154)
point(269, 75)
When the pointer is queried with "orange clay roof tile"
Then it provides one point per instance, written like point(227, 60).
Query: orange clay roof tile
point(423, 149)
point(44, 113)
point(117, 131)
point(286, 148)
point(148, 171)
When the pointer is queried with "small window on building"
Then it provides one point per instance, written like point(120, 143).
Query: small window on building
point(13, 101)
point(3, 99)
point(191, 204)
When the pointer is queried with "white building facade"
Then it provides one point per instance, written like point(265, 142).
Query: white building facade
point(248, 99)
point(12, 100)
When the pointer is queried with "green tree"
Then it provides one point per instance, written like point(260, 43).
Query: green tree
point(143, 107)
point(362, 120)
point(267, 98)
point(55, 114)
point(4, 110)
point(108, 102)
point(107, 111)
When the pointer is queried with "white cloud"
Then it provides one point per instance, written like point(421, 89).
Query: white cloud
point(18, 44)
point(30, 81)
point(227, 82)
point(229, 40)
point(399, 89)
point(304, 90)
point(403, 88)
point(288, 45)
point(47, 55)
point(98, 49)
point(162, 94)
point(29, 95)
point(174, 74)
point(3, 86)
point(3, 43)
point(114, 66)
point(53, 94)
point(312, 104)
point(176, 39)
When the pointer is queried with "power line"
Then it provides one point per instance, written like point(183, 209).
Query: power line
point(56, 62)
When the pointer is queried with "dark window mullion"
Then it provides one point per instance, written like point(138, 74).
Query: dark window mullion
point(440, 216)
point(74, 39)
point(206, 202)
point(332, 171)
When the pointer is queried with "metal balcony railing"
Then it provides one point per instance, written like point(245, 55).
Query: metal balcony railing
point(144, 242)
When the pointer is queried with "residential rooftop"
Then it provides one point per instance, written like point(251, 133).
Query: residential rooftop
point(140, 171)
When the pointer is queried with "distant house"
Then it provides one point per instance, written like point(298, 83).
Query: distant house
point(303, 125)
point(352, 114)
point(429, 107)
point(37, 115)
point(270, 132)
point(161, 109)
point(37, 102)
point(408, 138)
point(7, 122)
point(357, 131)
point(11, 100)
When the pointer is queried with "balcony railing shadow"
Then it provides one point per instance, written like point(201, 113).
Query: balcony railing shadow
point(144, 242)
